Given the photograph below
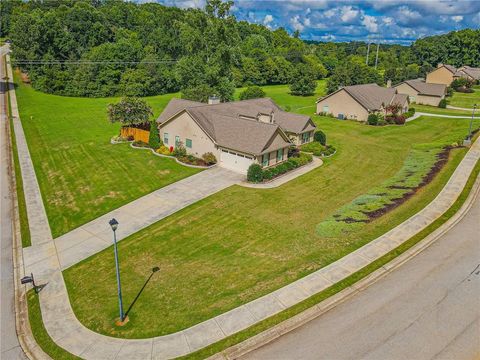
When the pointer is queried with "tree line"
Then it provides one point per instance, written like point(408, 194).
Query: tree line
point(100, 48)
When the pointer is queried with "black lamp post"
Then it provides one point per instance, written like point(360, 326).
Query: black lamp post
point(114, 224)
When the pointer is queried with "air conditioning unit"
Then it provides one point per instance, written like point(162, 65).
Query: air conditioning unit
point(341, 117)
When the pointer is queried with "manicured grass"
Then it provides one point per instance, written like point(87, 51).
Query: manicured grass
point(437, 110)
point(281, 95)
point(40, 333)
point(367, 270)
point(81, 175)
point(240, 244)
point(465, 100)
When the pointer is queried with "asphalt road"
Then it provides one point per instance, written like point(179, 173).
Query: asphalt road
point(9, 346)
point(429, 308)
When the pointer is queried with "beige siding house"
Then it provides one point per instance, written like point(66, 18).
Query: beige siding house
point(356, 102)
point(238, 133)
point(420, 92)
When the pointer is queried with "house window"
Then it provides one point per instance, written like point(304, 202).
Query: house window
point(177, 140)
point(325, 109)
point(188, 143)
point(265, 160)
point(305, 137)
point(279, 155)
point(165, 138)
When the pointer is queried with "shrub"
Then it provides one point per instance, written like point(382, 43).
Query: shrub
point(255, 173)
point(442, 104)
point(268, 174)
point(252, 92)
point(320, 137)
point(163, 150)
point(410, 113)
point(179, 150)
point(140, 143)
point(209, 158)
point(282, 168)
point(399, 119)
point(293, 151)
point(154, 137)
point(372, 119)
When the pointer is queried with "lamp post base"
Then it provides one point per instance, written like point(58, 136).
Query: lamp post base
point(118, 322)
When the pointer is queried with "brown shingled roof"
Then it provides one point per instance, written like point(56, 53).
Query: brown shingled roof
point(371, 96)
point(234, 125)
point(471, 71)
point(424, 88)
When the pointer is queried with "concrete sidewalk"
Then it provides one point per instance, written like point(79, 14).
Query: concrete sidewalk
point(418, 114)
point(64, 328)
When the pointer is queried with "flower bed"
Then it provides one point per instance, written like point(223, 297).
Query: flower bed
point(318, 149)
point(258, 175)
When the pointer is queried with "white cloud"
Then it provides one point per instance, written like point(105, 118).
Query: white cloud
point(370, 23)
point(306, 22)
point(388, 21)
point(330, 13)
point(348, 13)
point(296, 24)
point(268, 19)
point(457, 18)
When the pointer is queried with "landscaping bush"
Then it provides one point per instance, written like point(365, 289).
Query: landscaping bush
point(314, 147)
point(268, 174)
point(442, 104)
point(154, 137)
point(163, 150)
point(320, 137)
point(282, 168)
point(179, 150)
point(372, 119)
point(252, 92)
point(255, 173)
point(410, 113)
point(209, 158)
point(330, 150)
point(293, 151)
point(192, 160)
point(399, 119)
point(140, 143)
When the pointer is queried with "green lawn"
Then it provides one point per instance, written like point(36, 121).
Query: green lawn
point(436, 110)
point(281, 95)
point(465, 100)
point(242, 243)
point(81, 175)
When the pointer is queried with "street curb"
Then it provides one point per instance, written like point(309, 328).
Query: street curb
point(324, 306)
point(24, 332)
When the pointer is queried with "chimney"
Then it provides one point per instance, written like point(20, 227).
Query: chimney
point(439, 65)
point(212, 100)
point(389, 83)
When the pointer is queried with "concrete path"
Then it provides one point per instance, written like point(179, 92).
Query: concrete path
point(9, 344)
point(459, 108)
point(96, 235)
point(64, 328)
point(418, 114)
point(317, 162)
point(69, 333)
point(428, 308)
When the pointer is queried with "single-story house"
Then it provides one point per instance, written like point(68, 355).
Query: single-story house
point(470, 73)
point(420, 92)
point(356, 102)
point(238, 133)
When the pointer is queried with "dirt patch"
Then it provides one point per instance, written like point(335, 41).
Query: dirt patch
point(442, 158)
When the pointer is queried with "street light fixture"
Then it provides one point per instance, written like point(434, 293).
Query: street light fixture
point(114, 225)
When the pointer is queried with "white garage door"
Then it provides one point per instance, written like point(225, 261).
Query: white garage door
point(235, 162)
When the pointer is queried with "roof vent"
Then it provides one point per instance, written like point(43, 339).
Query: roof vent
point(389, 83)
point(212, 100)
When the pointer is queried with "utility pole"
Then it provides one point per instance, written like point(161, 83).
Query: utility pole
point(376, 57)
point(368, 51)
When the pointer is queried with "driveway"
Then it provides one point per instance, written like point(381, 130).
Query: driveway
point(96, 235)
point(429, 308)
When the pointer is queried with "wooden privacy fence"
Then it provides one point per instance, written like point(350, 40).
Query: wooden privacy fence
point(138, 134)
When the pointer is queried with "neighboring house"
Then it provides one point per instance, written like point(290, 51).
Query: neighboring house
point(470, 73)
point(443, 74)
point(238, 133)
point(356, 102)
point(420, 92)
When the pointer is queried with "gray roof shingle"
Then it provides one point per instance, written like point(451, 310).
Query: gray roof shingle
point(424, 88)
point(371, 96)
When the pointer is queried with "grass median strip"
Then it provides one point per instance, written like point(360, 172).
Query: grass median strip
point(359, 275)
point(40, 334)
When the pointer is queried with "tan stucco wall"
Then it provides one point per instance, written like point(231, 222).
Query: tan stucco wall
point(429, 100)
point(342, 103)
point(440, 76)
point(185, 127)
point(407, 90)
point(296, 139)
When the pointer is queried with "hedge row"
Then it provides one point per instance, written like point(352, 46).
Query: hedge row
point(256, 174)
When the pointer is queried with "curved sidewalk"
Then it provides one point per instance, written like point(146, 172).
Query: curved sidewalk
point(69, 333)
point(65, 329)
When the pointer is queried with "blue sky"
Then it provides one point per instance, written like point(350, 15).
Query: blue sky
point(387, 21)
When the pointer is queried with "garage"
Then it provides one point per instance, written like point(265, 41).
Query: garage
point(235, 161)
